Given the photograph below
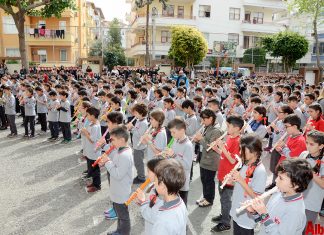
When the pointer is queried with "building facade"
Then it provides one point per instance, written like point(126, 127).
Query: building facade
point(53, 41)
point(242, 22)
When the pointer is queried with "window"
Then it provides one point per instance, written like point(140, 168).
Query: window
point(234, 13)
point(12, 52)
point(63, 55)
point(169, 11)
point(321, 48)
point(42, 56)
point(204, 11)
point(246, 43)
point(42, 24)
point(180, 11)
point(233, 37)
point(62, 25)
point(165, 36)
point(258, 17)
point(247, 17)
point(9, 26)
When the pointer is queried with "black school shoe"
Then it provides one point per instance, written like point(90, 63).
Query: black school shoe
point(220, 228)
point(138, 180)
point(217, 218)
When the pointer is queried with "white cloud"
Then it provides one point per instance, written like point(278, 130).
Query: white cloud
point(113, 8)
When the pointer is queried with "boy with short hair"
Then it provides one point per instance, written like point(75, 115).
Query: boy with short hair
point(172, 217)
point(138, 130)
point(65, 117)
point(10, 110)
point(285, 211)
point(120, 169)
point(30, 112)
point(181, 150)
point(41, 108)
point(295, 143)
point(169, 110)
point(227, 162)
point(293, 104)
point(180, 97)
point(191, 121)
point(53, 115)
point(92, 134)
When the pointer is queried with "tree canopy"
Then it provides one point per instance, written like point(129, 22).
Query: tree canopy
point(255, 56)
point(290, 46)
point(113, 52)
point(188, 46)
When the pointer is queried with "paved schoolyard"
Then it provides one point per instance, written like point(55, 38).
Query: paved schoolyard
point(41, 192)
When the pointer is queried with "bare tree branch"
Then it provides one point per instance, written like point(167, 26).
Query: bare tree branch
point(8, 9)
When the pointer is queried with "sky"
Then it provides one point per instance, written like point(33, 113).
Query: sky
point(113, 8)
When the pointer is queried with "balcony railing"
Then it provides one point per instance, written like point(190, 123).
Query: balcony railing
point(261, 26)
point(160, 16)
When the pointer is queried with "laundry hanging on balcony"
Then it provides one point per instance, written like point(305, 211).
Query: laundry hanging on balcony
point(47, 33)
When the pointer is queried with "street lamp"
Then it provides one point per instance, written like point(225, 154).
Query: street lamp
point(154, 14)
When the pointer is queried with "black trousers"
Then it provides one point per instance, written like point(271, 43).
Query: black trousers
point(66, 130)
point(31, 121)
point(123, 225)
point(207, 178)
point(94, 173)
point(184, 196)
point(72, 110)
point(43, 121)
point(54, 128)
point(22, 111)
point(17, 105)
point(3, 117)
point(237, 230)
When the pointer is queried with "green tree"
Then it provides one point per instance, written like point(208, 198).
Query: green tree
point(96, 49)
point(289, 46)
point(314, 9)
point(18, 9)
point(255, 56)
point(113, 57)
point(147, 3)
point(188, 46)
point(114, 34)
point(114, 53)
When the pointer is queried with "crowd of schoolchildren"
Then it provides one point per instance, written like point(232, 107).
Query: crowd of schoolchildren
point(161, 127)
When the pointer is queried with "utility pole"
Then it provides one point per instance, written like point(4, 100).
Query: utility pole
point(154, 14)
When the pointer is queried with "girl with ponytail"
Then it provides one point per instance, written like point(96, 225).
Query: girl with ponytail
point(249, 181)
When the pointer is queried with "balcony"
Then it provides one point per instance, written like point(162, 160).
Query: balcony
point(273, 4)
point(139, 49)
point(162, 21)
point(265, 27)
point(53, 38)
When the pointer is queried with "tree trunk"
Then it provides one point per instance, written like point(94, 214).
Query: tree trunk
point(317, 46)
point(147, 53)
point(19, 19)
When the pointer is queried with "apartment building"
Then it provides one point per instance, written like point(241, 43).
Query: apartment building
point(242, 22)
point(53, 41)
point(179, 12)
point(303, 25)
